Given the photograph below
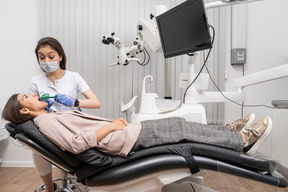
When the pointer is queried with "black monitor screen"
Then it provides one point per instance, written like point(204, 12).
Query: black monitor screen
point(184, 29)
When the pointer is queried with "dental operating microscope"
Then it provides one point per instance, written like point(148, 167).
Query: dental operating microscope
point(125, 54)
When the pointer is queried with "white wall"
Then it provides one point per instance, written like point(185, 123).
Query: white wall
point(19, 33)
point(267, 46)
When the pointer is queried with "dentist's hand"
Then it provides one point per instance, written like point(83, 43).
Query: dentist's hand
point(63, 99)
point(50, 103)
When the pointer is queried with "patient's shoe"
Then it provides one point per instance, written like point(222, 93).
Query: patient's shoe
point(257, 134)
point(239, 124)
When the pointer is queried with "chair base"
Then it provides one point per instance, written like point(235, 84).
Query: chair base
point(156, 182)
point(66, 185)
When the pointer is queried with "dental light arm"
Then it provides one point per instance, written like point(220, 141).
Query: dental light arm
point(224, 3)
point(262, 76)
point(241, 82)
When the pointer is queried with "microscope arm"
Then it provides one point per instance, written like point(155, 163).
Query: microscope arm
point(147, 32)
point(125, 54)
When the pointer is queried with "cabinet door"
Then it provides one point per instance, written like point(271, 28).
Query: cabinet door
point(280, 136)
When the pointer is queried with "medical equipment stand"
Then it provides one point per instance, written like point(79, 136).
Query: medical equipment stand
point(190, 110)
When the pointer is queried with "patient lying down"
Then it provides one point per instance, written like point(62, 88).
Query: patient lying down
point(76, 131)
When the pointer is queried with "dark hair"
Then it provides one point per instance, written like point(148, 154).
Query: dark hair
point(11, 111)
point(54, 44)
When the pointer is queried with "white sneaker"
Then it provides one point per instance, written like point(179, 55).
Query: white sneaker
point(239, 124)
point(257, 134)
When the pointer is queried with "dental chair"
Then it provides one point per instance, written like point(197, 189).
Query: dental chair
point(147, 169)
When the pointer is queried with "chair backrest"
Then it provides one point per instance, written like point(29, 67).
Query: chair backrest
point(29, 134)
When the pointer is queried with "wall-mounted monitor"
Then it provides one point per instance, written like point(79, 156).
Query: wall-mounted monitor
point(184, 29)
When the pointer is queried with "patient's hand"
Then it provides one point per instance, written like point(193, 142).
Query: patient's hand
point(119, 124)
point(116, 125)
point(121, 120)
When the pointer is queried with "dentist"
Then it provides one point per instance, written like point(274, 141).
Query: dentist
point(59, 82)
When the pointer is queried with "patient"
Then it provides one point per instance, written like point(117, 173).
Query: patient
point(76, 131)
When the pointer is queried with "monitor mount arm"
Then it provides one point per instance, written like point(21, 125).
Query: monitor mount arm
point(197, 96)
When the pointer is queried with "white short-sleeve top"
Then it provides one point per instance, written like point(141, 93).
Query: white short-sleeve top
point(70, 84)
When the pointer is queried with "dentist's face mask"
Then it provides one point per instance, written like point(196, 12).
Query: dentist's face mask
point(50, 66)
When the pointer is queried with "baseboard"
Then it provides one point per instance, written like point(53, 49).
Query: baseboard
point(16, 164)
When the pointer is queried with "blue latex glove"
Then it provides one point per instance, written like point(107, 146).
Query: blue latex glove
point(63, 99)
point(50, 103)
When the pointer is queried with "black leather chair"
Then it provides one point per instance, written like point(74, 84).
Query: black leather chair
point(148, 169)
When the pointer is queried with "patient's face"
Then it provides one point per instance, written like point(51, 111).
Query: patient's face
point(32, 102)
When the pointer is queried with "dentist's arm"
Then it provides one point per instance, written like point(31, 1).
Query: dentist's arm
point(91, 100)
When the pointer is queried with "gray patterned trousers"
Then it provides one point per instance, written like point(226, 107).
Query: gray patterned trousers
point(176, 129)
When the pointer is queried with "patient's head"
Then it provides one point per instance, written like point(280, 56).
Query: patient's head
point(22, 107)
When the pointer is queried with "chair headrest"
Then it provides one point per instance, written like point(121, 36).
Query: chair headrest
point(14, 128)
point(10, 128)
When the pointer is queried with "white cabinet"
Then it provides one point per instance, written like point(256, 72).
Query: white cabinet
point(3, 133)
point(280, 136)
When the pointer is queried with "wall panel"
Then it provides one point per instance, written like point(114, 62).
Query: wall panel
point(80, 25)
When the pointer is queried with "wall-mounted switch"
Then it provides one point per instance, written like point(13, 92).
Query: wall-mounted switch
point(238, 56)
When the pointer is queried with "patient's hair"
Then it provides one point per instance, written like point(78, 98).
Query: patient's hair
point(54, 44)
point(11, 111)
